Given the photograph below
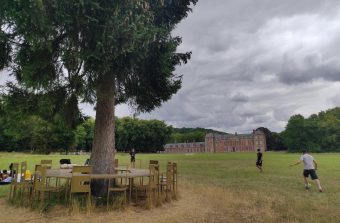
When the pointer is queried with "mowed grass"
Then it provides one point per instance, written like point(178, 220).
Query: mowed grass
point(221, 188)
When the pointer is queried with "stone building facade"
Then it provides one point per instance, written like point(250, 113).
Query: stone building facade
point(222, 143)
point(193, 147)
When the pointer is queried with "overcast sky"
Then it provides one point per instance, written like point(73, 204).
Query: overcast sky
point(254, 63)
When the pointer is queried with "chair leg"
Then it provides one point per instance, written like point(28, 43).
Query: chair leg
point(107, 200)
point(10, 192)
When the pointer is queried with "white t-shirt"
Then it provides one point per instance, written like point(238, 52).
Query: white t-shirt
point(307, 161)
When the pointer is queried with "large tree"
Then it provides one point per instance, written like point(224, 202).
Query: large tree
point(102, 52)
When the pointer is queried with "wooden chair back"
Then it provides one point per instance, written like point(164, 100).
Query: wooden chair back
point(39, 182)
point(81, 181)
point(174, 166)
point(23, 171)
point(14, 172)
point(154, 176)
point(82, 169)
point(80, 184)
point(169, 175)
point(124, 181)
point(153, 162)
point(47, 163)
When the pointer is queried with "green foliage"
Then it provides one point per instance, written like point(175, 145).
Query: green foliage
point(28, 123)
point(181, 135)
point(84, 135)
point(70, 44)
point(274, 140)
point(142, 135)
point(319, 133)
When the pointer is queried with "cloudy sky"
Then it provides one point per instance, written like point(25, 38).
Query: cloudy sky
point(254, 63)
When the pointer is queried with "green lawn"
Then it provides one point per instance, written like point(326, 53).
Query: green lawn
point(279, 184)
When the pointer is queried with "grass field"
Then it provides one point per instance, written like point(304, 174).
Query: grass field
point(213, 188)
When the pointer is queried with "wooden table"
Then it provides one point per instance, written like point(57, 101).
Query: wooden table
point(131, 174)
point(67, 173)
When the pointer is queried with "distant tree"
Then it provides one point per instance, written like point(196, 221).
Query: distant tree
point(88, 125)
point(328, 131)
point(277, 142)
point(142, 135)
point(274, 140)
point(295, 135)
point(319, 133)
point(181, 135)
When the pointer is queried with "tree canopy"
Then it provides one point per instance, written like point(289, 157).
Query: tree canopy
point(102, 52)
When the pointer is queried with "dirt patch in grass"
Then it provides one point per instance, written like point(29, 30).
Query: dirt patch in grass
point(196, 204)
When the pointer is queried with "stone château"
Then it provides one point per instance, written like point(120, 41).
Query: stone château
point(215, 142)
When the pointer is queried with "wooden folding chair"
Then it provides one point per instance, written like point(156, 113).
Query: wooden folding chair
point(77, 170)
point(14, 181)
point(166, 182)
point(174, 178)
point(40, 184)
point(114, 187)
point(150, 189)
point(80, 184)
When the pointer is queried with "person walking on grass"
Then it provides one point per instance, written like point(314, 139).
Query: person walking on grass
point(310, 167)
point(259, 160)
point(133, 156)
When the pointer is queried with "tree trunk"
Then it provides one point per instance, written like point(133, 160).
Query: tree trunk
point(102, 155)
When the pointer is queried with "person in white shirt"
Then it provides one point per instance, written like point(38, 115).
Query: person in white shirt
point(310, 166)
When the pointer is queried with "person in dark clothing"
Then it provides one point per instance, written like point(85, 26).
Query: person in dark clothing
point(133, 155)
point(259, 160)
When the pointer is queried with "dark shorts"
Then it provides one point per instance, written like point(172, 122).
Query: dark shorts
point(310, 172)
point(259, 163)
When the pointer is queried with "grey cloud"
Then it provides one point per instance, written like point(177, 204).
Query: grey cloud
point(239, 97)
point(310, 70)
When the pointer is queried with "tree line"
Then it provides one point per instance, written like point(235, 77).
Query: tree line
point(21, 130)
point(317, 133)
point(40, 124)
point(182, 135)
